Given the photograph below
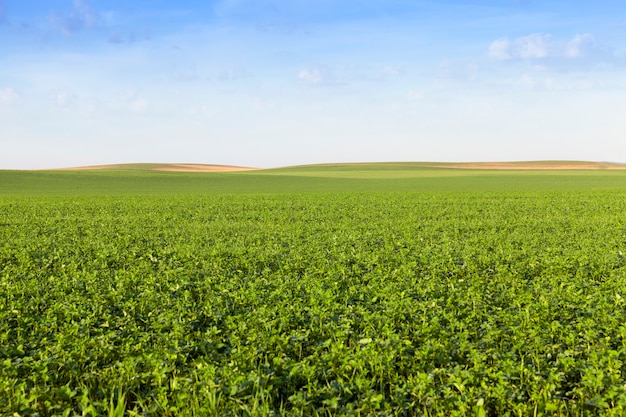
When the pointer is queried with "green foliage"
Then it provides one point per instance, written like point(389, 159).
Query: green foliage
point(440, 304)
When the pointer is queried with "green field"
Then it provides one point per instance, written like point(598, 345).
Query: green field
point(393, 289)
point(399, 177)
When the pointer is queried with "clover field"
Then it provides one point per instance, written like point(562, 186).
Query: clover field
point(412, 301)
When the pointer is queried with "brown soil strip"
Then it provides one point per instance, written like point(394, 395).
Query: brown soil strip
point(201, 168)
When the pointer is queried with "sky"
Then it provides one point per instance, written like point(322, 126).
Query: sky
point(268, 83)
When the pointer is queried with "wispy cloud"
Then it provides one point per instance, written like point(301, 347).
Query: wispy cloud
point(8, 95)
point(533, 46)
point(391, 71)
point(82, 17)
point(542, 47)
point(581, 45)
point(546, 81)
point(310, 76)
point(325, 77)
point(139, 105)
point(187, 74)
point(72, 103)
point(135, 102)
point(63, 98)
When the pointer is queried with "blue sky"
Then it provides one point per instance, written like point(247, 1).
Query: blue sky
point(273, 83)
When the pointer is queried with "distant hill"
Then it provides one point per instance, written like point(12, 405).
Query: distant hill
point(533, 165)
point(164, 167)
point(519, 165)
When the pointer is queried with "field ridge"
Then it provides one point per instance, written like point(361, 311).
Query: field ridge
point(494, 165)
point(171, 167)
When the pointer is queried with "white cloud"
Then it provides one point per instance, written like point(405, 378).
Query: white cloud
point(390, 71)
point(310, 76)
point(580, 45)
point(8, 96)
point(139, 105)
point(533, 46)
point(134, 102)
point(540, 46)
point(187, 74)
point(327, 77)
point(63, 98)
point(499, 49)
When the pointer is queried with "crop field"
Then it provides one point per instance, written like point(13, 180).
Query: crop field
point(392, 290)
